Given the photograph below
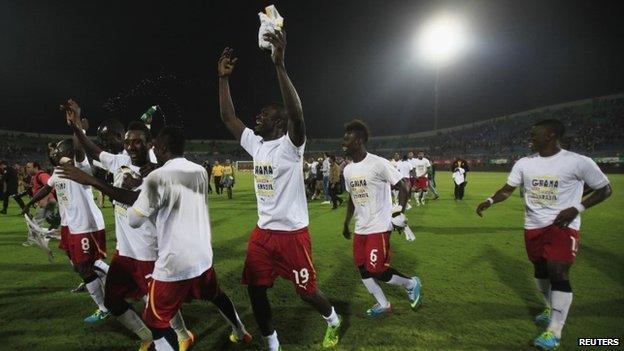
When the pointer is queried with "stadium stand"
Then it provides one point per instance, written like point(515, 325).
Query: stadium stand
point(595, 127)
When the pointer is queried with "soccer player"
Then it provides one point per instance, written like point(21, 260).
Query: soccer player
point(136, 250)
point(280, 243)
point(432, 180)
point(553, 180)
point(422, 167)
point(368, 179)
point(227, 181)
point(82, 225)
point(175, 195)
point(406, 169)
point(217, 173)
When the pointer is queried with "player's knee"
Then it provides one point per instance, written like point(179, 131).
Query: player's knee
point(560, 285)
point(86, 272)
point(364, 273)
point(384, 275)
point(117, 306)
point(541, 269)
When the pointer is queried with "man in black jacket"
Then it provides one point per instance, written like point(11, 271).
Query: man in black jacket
point(9, 185)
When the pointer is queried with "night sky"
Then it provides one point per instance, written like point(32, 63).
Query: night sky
point(346, 58)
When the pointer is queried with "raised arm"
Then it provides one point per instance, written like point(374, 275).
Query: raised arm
point(226, 106)
point(124, 196)
point(80, 138)
point(501, 195)
point(292, 103)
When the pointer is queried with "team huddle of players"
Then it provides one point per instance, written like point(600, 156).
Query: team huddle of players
point(162, 224)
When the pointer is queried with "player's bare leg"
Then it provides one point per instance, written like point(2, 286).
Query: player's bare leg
point(228, 311)
point(542, 282)
point(264, 316)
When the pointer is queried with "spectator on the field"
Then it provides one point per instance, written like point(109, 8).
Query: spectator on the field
point(9, 186)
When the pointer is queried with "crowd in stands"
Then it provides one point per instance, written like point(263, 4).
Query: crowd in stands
point(594, 127)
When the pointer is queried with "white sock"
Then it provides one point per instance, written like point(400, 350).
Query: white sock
point(543, 285)
point(374, 288)
point(101, 265)
point(133, 322)
point(407, 283)
point(177, 324)
point(162, 345)
point(560, 302)
point(272, 342)
point(97, 293)
point(332, 319)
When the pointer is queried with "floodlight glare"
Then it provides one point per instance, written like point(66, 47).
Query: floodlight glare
point(441, 39)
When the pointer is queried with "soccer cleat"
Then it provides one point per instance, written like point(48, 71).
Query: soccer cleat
point(332, 334)
point(543, 319)
point(146, 345)
point(185, 344)
point(414, 294)
point(97, 316)
point(546, 341)
point(82, 287)
point(246, 338)
point(377, 310)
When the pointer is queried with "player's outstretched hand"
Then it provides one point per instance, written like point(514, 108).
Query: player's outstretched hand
point(226, 63)
point(565, 217)
point(72, 112)
point(278, 40)
point(345, 232)
point(482, 207)
point(71, 172)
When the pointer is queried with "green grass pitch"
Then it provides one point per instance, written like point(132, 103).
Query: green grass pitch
point(479, 292)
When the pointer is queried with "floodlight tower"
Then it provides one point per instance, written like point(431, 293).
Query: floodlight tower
point(440, 41)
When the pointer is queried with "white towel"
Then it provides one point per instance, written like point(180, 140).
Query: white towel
point(41, 236)
point(270, 22)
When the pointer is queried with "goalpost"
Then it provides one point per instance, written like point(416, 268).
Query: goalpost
point(245, 166)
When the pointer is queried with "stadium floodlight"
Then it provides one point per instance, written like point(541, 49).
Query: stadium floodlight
point(441, 39)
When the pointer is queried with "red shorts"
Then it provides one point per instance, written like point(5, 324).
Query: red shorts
point(127, 278)
point(372, 251)
point(165, 298)
point(288, 254)
point(552, 243)
point(87, 246)
point(64, 243)
point(422, 183)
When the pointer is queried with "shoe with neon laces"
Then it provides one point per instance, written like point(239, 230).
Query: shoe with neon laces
point(97, 316)
point(377, 310)
point(543, 319)
point(415, 294)
point(246, 338)
point(546, 341)
point(332, 334)
point(185, 344)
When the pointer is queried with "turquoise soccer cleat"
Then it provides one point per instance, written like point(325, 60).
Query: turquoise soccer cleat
point(377, 310)
point(414, 294)
point(546, 341)
point(97, 316)
point(543, 319)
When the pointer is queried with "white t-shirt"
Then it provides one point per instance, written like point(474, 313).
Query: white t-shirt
point(76, 205)
point(139, 243)
point(313, 166)
point(369, 182)
point(421, 166)
point(176, 194)
point(404, 167)
point(278, 182)
point(458, 175)
point(554, 183)
point(326, 167)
